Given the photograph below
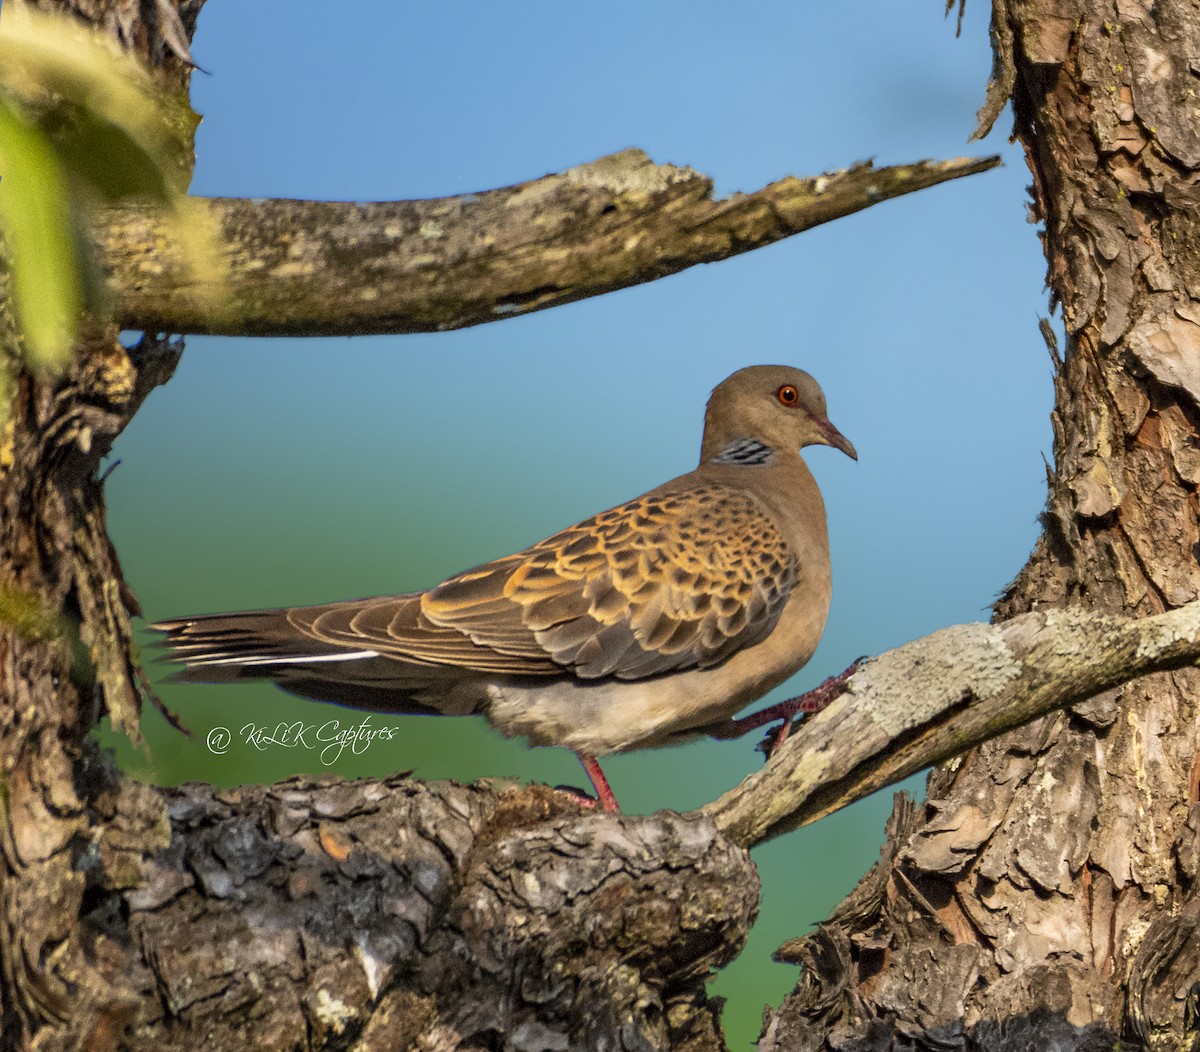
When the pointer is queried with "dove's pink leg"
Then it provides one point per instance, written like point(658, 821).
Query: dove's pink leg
point(814, 701)
point(604, 792)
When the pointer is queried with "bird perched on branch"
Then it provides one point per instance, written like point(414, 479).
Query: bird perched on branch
point(645, 625)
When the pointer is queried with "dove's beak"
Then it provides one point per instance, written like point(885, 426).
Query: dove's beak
point(833, 437)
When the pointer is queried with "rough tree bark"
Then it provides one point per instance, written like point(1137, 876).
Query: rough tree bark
point(64, 646)
point(399, 915)
point(1045, 895)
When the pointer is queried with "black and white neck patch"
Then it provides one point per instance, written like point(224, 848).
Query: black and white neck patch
point(745, 451)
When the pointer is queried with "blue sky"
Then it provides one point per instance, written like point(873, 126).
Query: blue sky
point(286, 471)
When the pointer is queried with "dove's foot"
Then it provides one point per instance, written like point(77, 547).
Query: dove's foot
point(802, 705)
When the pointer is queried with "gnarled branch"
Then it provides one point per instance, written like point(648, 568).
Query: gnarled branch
point(401, 915)
point(328, 268)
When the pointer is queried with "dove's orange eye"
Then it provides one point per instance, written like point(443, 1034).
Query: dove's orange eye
point(788, 395)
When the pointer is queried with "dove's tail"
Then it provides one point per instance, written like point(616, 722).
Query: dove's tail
point(266, 644)
point(219, 648)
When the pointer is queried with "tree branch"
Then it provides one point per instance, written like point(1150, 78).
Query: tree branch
point(322, 268)
point(938, 696)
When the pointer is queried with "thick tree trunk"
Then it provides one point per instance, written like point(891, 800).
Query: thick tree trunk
point(64, 660)
point(1045, 894)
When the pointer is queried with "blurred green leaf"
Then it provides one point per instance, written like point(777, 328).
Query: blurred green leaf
point(104, 156)
point(83, 123)
point(37, 228)
point(50, 61)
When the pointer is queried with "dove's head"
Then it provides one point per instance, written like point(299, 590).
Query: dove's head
point(771, 406)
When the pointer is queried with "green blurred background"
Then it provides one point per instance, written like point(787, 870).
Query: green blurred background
point(273, 472)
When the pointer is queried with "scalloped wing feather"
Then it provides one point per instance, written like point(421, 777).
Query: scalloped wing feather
point(669, 581)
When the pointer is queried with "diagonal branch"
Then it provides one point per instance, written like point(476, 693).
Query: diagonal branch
point(940, 695)
point(324, 268)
